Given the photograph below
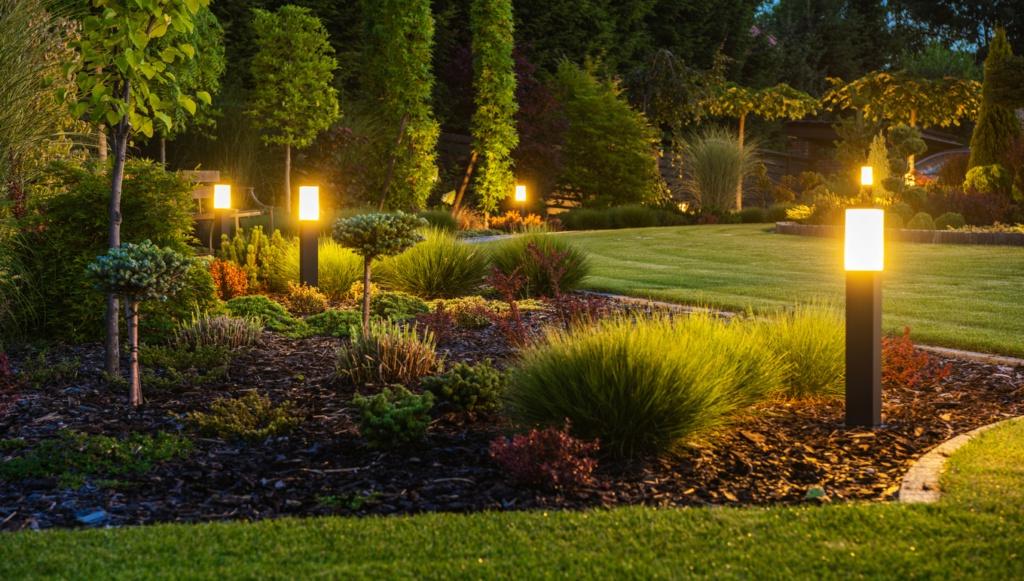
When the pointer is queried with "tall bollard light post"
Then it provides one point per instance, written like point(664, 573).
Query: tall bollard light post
point(309, 235)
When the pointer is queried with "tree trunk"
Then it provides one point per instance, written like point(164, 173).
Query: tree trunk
point(101, 144)
point(163, 151)
point(135, 395)
point(739, 185)
point(392, 161)
point(465, 182)
point(113, 360)
point(913, 123)
point(366, 294)
point(288, 179)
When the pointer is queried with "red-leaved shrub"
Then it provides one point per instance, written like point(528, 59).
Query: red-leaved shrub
point(907, 366)
point(229, 279)
point(548, 458)
point(510, 286)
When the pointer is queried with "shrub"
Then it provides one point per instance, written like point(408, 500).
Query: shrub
point(513, 221)
point(717, 165)
point(950, 220)
point(440, 220)
point(259, 256)
point(548, 458)
point(73, 456)
point(467, 387)
point(811, 343)
point(903, 210)
point(644, 385)
point(334, 323)
point(893, 220)
point(252, 418)
point(921, 221)
point(229, 279)
point(305, 300)
point(387, 353)
point(753, 215)
point(904, 365)
point(218, 331)
point(355, 292)
point(537, 257)
point(634, 216)
point(274, 316)
point(777, 212)
point(988, 179)
point(397, 306)
point(472, 312)
point(586, 219)
point(394, 417)
point(441, 266)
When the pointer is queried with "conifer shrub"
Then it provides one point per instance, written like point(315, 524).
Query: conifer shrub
point(397, 306)
point(273, 315)
point(252, 417)
point(469, 388)
point(334, 323)
point(394, 417)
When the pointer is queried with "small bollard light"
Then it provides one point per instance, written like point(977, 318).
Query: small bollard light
point(864, 259)
point(309, 234)
point(221, 214)
point(520, 193)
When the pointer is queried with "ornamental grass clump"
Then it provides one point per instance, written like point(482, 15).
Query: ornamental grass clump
point(550, 265)
point(716, 165)
point(811, 342)
point(386, 353)
point(218, 331)
point(441, 266)
point(644, 385)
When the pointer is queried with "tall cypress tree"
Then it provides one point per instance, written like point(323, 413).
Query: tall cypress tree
point(997, 125)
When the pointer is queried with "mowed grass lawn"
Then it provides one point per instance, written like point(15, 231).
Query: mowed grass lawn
point(975, 532)
point(970, 297)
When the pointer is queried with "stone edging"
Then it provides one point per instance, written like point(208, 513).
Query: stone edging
point(905, 235)
point(921, 483)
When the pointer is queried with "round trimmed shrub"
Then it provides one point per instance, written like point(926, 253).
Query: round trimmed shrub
point(893, 220)
point(921, 221)
point(950, 220)
point(644, 385)
point(441, 266)
point(528, 254)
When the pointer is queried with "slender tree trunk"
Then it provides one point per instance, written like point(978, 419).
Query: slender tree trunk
point(913, 123)
point(739, 185)
point(113, 360)
point(366, 294)
point(101, 144)
point(135, 395)
point(392, 161)
point(288, 179)
point(163, 151)
point(465, 181)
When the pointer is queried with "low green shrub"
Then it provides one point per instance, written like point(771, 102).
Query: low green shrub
point(753, 215)
point(274, 316)
point(903, 210)
point(950, 220)
point(218, 331)
point(303, 299)
point(893, 220)
point(646, 384)
point(634, 216)
point(469, 388)
point(170, 367)
point(440, 219)
point(440, 266)
point(72, 457)
point(473, 312)
point(394, 417)
point(586, 219)
point(921, 221)
point(812, 345)
point(252, 417)
point(43, 370)
point(539, 257)
point(387, 353)
point(334, 323)
point(397, 306)
point(628, 216)
point(777, 212)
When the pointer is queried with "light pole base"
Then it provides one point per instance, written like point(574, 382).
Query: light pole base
point(863, 349)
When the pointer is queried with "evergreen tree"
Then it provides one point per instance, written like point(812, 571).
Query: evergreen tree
point(997, 125)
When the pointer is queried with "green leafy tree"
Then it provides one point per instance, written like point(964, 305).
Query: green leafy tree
point(494, 124)
point(610, 154)
point(770, 103)
point(127, 48)
point(137, 273)
point(997, 125)
point(398, 80)
point(293, 100)
point(672, 94)
point(377, 235)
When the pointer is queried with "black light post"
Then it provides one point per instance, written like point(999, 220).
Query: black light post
point(221, 214)
point(309, 235)
point(864, 260)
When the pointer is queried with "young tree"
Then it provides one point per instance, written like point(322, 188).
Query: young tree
point(375, 235)
point(494, 125)
point(778, 102)
point(137, 273)
point(124, 68)
point(398, 80)
point(997, 125)
point(293, 100)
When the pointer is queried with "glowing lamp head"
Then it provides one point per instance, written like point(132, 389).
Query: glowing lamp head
point(867, 176)
point(520, 193)
point(222, 197)
point(864, 248)
point(309, 203)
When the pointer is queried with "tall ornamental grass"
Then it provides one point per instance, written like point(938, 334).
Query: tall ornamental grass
point(538, 257)
point(715, 165)
point(442, 266)
point(811, 341)
point(644, 385)
point(339, 268)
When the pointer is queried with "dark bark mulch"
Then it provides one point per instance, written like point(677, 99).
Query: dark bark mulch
point(784, 452)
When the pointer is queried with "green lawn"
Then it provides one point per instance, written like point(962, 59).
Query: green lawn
point(971, 297)
point(975, 532)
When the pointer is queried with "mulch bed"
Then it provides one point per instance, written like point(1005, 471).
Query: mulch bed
point(785, 452)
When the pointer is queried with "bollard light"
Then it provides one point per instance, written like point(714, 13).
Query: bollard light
point(221, 214)
point(867, 176)
point(309, 234)
point(864, 259)
point(222, 197)
point(520, 193)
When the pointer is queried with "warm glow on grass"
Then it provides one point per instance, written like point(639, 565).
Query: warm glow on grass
point(309, 203)
point(865, 239)
point(222, 197)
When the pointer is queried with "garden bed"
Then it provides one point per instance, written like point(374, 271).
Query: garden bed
point(905, 235)
point(782, 452)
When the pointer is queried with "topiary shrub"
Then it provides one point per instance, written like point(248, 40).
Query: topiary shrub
point(305, 300)
point(218, 331)
point(811, 342)
point(550, 264)
point(469, 388)
point(274, 316)
point(387, 353)
point(440, 266)
point(393, 417)
point(548, 458)
point(397, 306)
point(988, 179)
point(893, 220)
point(334, 323)
point(252, 417)
point(921, 221)
point(644, 385)
point(472, 312)
point(229, 279)
point(950, 221)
